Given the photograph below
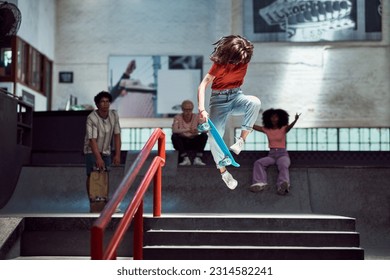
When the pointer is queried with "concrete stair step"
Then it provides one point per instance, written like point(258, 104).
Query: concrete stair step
point(60, 235)
point(269, 222)
point(252, 238)
point(81, 258)
point(251, 253)
point(267, 236)
point(53, 236)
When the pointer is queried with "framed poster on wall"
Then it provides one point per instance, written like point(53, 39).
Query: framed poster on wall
point(155, 86)
point(312, 20)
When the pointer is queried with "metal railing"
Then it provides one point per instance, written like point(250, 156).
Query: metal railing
point(327, 139)
point(136, 131)
point(135, 209)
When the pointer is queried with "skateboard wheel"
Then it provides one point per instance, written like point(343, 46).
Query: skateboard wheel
point(225, 162)
point(100, 198)
point(203, 127)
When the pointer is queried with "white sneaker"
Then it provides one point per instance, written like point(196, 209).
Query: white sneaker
point(258, 187)
point(186, 161)
point(238, 146)
point(198, 161)
point(230, 182)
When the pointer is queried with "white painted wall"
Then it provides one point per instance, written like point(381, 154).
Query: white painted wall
point(38, 24)
point(331, 84)
point(38, 29)
point(338, 84)
point(89, 31)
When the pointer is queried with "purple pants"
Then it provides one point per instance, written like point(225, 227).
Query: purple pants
point(279, 157)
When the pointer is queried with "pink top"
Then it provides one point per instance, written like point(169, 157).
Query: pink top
point(181, 127)
point(276, 137)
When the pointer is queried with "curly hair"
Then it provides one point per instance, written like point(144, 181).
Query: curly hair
point(232, 49)
point(282, 114)
point(101, 95)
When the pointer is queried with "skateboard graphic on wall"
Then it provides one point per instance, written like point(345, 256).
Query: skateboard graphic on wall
point(228, 159)
point(98, 190)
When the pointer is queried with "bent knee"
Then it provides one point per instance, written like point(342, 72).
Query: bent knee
point(255, 101)
point(262, 162)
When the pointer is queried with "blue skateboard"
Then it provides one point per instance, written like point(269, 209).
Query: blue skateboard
point(228, 159)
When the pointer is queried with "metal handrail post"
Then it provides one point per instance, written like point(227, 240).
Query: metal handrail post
point(158, 178)
point(157, 192)
point(96, 243)
point(161, 145)
point(138, 232)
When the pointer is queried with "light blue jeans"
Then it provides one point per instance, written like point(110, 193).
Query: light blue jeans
point(224, 103)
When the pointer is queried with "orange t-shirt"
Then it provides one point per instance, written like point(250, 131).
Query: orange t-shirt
point(276, 137)
point(227, 76)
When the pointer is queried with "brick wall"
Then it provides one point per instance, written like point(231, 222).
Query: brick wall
point(331, 84)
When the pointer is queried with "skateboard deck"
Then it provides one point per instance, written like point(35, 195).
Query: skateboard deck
point(98, 190)
point(218, 139)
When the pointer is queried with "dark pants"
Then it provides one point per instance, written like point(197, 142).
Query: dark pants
point(185, 144)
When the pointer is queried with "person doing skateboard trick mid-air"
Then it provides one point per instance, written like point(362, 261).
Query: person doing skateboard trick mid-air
point(230, 59)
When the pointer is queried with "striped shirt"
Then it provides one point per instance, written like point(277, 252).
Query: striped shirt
point(102, 130)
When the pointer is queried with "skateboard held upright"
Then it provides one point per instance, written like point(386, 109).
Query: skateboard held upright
point(228, 159)
point(98, 190)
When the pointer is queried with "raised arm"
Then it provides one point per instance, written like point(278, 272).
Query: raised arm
point(130, 68)
point(116, 91)
point(291, 125)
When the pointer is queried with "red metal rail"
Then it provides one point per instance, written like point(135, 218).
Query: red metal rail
point(135, 208)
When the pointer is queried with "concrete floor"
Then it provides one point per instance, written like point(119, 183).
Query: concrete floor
point(358, 192)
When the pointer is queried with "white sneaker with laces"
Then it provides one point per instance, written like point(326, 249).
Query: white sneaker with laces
point(230, 182)
point(186, 161)
point(238, 146)
point(198, 161)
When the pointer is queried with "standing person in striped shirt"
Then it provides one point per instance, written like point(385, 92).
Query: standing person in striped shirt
point(102, 127)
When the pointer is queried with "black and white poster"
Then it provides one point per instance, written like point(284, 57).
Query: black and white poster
point(153, 86)
point(312, 20)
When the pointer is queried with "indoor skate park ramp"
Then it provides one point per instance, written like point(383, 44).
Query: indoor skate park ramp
point(54, 189)
point(356, 191)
